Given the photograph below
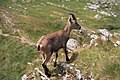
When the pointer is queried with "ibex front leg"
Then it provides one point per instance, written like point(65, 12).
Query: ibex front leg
point(66, 53)
point(56, 59)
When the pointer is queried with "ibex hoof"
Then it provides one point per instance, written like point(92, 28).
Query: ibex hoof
point(55, 64)
point(48, 75)
point(67, 59)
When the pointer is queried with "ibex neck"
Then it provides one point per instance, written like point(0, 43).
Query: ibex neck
point(68, 28)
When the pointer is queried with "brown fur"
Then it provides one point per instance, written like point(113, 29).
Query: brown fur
point(53, 42)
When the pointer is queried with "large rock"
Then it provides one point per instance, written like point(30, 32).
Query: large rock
point(72, 44)
point(105, 32)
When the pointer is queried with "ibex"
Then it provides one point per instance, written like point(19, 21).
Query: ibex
point(53, 42)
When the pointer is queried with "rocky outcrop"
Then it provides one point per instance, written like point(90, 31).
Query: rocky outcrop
point(103, 7)
point(67, 72)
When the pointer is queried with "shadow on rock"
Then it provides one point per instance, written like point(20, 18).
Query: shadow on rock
point(60, 69)
point(73, 57)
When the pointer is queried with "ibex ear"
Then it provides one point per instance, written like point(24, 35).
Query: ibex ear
point(70, 20)
point(71, 17)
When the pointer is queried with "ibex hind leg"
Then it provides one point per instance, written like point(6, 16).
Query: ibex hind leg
point(43, 57)
point(45, 63)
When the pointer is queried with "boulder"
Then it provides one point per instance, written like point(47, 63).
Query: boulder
point(105, 32)
point(72, 44)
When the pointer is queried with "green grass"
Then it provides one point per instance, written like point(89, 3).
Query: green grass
point(103, 62)
point(41, 9)
point(14, 57)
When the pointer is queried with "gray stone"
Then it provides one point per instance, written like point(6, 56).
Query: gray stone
point(97, 16)
point(72, 44)
point(64, 65)
point(24, 77)
point(117, 43)
point(93, 7)
point(105, 13)
point(105, 32)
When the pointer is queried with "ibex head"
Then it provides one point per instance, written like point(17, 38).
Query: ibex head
point(73, 22)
